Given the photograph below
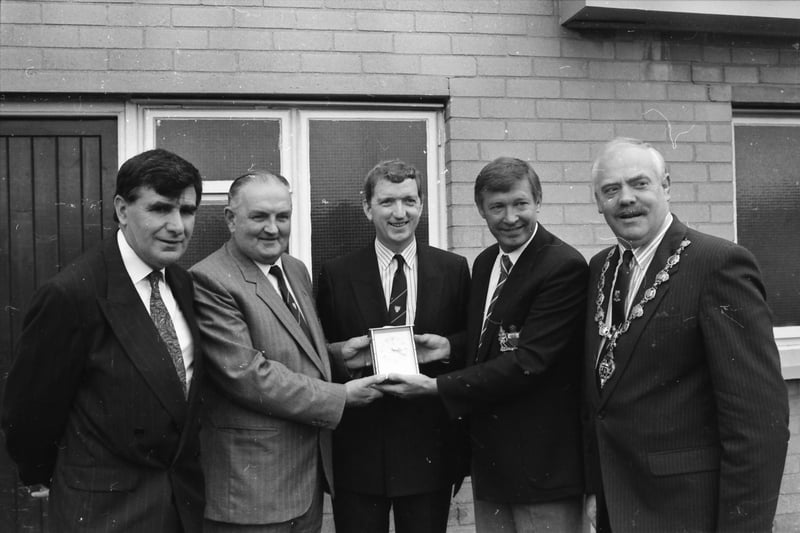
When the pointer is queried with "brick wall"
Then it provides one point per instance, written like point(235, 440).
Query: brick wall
point(514, 81)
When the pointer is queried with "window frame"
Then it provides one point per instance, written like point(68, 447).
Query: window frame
point(787, 337)
point(295, 118)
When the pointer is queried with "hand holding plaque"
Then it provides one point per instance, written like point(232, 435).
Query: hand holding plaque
point(393, 350)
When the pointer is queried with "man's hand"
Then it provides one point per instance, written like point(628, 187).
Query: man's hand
point(38, 491)
point(355, 352)
point(432, 347)
point(363, 391)
point(591, 509)
point(408, 385)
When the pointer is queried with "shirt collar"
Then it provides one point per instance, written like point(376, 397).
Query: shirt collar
point(136, 268)
point(385, 255)
point(514, 254)
point(643, 254)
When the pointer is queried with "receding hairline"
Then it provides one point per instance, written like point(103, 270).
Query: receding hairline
point(611, 146)
point(234, 193)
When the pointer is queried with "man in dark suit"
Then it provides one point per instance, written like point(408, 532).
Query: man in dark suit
point(394, 454)
point(520, 390)
point(686, 408)
point(101, 401)
point(270, 405)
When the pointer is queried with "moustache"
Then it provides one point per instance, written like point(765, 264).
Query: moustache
point(630, 213)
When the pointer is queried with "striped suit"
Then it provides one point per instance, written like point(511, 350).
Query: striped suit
point(270, 405)
point(690, 432)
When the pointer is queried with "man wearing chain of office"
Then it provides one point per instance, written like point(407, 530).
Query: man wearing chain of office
point(686, 410)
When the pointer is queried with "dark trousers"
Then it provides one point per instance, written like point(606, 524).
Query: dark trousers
point(367, 513)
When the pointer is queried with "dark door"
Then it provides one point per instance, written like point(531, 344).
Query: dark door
point(57, 180)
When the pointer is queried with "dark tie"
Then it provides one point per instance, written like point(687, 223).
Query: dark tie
point(163, 322)
point(621, 288)
point(619, 293)
point(397, 300)
point(289, 301)
point(505, 268)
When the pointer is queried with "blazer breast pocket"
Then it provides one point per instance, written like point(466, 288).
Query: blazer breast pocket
point(687, 461)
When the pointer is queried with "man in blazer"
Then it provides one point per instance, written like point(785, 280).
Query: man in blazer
point(270, 404)
point(101, 402)
point(394, 454)
point(686, 408)
point(520, 390)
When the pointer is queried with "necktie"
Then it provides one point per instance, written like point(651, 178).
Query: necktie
point(397, 300)
point(505, 268)
point(288, 300)
point(621, 287)
point(163, 323)
point(619, 294)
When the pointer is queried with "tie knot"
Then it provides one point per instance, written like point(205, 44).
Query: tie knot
point(275, 270)
point(627, 259)
point(505, 261)
point(400, 260)
point(154, 277)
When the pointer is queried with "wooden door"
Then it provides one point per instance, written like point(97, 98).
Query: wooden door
point(57, 179)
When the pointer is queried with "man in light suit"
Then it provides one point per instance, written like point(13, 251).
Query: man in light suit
point(686, 408)
point(101, 402)
point(520, 390)
point(395, 454)
point(270, 405)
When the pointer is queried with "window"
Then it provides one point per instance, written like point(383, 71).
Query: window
point(325, 154)
point(767, 167)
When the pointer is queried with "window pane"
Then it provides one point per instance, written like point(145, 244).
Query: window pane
point(768, 211)
point(222, 149)
point(341, 154)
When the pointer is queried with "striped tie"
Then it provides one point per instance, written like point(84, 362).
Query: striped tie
point(505, 268)
point(397, 300)
point(276, 271)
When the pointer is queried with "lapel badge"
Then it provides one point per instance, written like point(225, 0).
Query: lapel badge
point(508, 339)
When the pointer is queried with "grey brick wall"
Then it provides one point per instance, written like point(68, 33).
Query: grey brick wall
point(514, 81)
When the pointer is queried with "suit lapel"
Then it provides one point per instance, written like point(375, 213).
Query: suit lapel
point(627, 343)
point(138, 337)
point(272, 299)
point(314, 347)
point(481, 272)
point(429, 289)
point(368, 289)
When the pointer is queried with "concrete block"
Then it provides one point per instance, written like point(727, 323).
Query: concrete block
point(240, 39)
point(67, 13)
point(466, 87)
point(533, 88)
point(631, 90)
point(421, 43)
point(588, 90)
point(475, 44)
point(340, 62)
point(530, 130)
point(391, 21)
point(138, 15)
point(361, 42)
point(206, 16)
point(615, 110)
point(533, 46)
point(97, 37)
point(576, 110)
point(302, 40)
point(504, 66)
point(443, 22)
point(560, 68)
point(172, 39)
point(447, 65)
point(499, 24)
point(20, 12)
point(392, 64)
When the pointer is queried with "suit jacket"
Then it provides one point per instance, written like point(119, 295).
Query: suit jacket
point(270, 405)
point(690, 432)
point(397, 447)
point(523, 402)
point(94, 402)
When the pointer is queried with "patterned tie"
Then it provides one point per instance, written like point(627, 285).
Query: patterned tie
point(289, 301)
point(163, 322)
point(619, 294)
point(505, 268)
point(397, 300)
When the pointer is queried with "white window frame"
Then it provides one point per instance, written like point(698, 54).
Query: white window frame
point(788, 337)
point(294, 150)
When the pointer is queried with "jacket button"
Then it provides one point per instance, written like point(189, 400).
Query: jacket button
point(601, 415)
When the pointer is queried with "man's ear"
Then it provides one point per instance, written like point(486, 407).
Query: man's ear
point(121, 209)
point(666, 182)
point(230, 219)
point(367, 210)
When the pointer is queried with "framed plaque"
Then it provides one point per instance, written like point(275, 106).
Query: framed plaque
point(393, 350)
